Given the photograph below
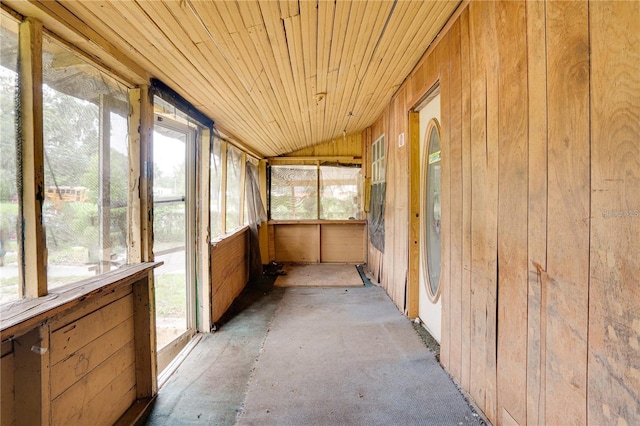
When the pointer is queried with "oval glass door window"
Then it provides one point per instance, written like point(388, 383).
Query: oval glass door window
point(432, 224)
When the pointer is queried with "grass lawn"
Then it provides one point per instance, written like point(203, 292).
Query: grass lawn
point(171, 295)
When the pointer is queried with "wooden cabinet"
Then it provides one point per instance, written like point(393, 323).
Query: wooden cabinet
point(84, 354)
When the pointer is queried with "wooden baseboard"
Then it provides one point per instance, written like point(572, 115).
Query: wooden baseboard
point(136, 414)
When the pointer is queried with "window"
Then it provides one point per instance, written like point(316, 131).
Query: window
point(378, 161)
point(9, 209)
point(86, 167)
point(340, 193)
point(378, 194)
point(294, 192)
point(234, 188)
point(431, 227)
point(316, 192)
point(216, 193)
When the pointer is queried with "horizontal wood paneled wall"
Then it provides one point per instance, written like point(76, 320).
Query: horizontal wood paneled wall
point(318, 242)
point(7, 389)
point(541, 198)
point(82, 355)
point(93, 361)
point(342, 243)
point(296, 243)
point(229, 271)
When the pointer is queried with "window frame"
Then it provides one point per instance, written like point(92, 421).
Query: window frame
point(378, 160)
point(434, 296)
point(318, 168)
point(33, 281)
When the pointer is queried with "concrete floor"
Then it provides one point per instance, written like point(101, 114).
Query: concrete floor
point(311, 356)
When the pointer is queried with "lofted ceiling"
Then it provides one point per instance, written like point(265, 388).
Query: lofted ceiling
point(278, 75)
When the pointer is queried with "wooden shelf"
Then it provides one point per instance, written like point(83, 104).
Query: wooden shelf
point(317, 222)
point(108, 321)
point(23, 315)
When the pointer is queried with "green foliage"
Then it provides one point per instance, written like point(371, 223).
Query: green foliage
point(171, 295)
point(7, 136)
point(169, 223)
point(71, 137)
point(118, 178)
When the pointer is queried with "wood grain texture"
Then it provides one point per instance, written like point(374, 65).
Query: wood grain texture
point(513, 209)
point(84, 37)
point(264, 229)
point(146, 177)
point(22, 316)
point(33, 268)
point(444, 65)
point(342, 243)
point(374, 256)
point(7, 391)
point(134, 212)
point(477, 386)
point(548, 189)
point(413, 277)
point(144, 319)
point(456, 202)
point(614, 294)
point(568, 211)
point(31, 377)
point(229, 271)
point(67, 340)
point(488, 254)
point(203, 233)
point(400, 208)
point(537, 215)
point(386, 268)
point(358, 54)
point(74, 367)
point(88, 306)
point(465, 300)
point(297, 243)
point(96, 398)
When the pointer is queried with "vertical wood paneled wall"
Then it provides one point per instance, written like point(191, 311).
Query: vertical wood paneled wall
point(540, 138)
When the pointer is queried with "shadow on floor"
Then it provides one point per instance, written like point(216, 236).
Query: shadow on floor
point(256, 290)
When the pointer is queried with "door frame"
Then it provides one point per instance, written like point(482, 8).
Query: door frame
point(173, 348)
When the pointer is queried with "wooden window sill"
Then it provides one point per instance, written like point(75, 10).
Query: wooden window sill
point(23, 315)
point(317, 222)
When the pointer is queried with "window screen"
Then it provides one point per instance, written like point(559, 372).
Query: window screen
point(9, 213)
point(86, 166)
point(234, 188)
point(216, 194)
point(340, 194)
point(294, 192)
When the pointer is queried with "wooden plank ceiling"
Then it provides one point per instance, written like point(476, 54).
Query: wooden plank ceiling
point(278, 75)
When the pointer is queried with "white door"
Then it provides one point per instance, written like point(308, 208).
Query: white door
point(429, 305)
point(173, 236)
